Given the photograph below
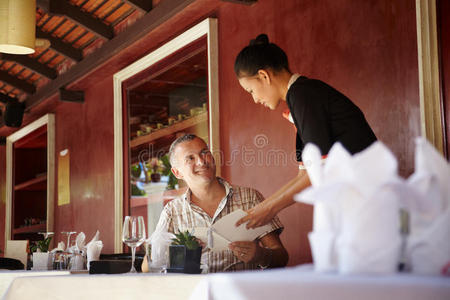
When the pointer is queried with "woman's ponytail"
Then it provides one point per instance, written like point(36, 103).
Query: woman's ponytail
point(260, 54)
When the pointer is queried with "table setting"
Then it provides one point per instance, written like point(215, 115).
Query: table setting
point(375, 236)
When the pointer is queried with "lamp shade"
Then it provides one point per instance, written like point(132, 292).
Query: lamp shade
point(17, 26)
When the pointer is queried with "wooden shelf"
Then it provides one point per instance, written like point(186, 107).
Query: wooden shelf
point(145, 139)
point(35, 184)
point(30, 229)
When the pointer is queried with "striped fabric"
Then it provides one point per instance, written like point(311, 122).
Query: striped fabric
point(181, 215)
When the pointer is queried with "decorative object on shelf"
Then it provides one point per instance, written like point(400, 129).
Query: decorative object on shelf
point(184, 254)
point(171, 120)
point(161, 130)
point(154, 169)
point(196, 110)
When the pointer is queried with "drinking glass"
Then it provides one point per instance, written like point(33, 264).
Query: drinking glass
point(67, 255)
point(133, 235)
point(69, 234)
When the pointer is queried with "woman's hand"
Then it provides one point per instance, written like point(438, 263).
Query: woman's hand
point(247, 251)
point(258, 215)
point(265, 211)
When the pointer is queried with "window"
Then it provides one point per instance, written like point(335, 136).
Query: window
point(169, 92)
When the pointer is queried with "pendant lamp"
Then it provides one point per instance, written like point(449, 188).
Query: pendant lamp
point(17, 26)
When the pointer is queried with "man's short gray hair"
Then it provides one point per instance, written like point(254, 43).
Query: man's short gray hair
point(181, 139)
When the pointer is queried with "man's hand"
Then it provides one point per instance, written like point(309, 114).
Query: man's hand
point(258, 215)
point(201, 243)
point(247, 251)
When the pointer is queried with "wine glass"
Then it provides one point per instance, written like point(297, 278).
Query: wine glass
point(133, 235)
point(69, 234)
point(67, 255)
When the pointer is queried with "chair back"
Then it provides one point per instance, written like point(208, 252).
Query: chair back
point(17, 249)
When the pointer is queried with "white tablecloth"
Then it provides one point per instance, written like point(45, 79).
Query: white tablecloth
point(108, 287)
point(6, 277)
point(302, 283)
point(289, 283)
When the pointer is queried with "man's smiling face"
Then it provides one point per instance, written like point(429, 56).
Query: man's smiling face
point(193, 162)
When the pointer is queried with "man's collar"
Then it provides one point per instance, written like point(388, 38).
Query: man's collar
point(227, 186)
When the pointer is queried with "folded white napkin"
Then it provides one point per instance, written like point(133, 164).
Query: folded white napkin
point(94, 249)
point(428, 247)
point(61, 246)
point(95, 238)
point(356, 206)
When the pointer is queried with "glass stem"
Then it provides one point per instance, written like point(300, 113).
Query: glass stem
point(133, 253)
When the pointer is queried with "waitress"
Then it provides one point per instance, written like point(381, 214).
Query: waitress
point(321, 115)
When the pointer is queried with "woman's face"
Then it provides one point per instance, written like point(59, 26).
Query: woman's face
point(261, 88)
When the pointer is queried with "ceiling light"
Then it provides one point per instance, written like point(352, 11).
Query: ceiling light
point(17, 26)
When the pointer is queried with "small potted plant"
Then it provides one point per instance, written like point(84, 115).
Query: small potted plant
point(42, 259)
point(185, 253)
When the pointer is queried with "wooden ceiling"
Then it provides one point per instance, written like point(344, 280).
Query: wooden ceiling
point(75, 29)
point(83, 34)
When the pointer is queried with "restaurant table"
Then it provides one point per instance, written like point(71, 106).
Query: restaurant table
point(289, 283)
point(7, 276)
point(102, 286)
point(303, 283)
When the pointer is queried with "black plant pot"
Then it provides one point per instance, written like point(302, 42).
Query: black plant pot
point(183, 260)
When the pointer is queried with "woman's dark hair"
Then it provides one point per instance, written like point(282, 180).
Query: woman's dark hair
point(260, 54)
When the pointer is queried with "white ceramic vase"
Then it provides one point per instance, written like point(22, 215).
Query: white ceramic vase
point(42, 260)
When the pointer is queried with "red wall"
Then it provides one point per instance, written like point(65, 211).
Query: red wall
point(443, 14)
point(366, 49)
point(87, 131)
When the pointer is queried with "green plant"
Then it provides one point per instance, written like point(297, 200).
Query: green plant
point(135, 171)
point(135, 191)
point(41, 245)
point(186, 239)
point(167, 171)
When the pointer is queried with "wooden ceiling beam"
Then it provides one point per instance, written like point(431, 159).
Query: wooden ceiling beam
point(245, 2)
point(143, 5)
point(161, 13)
point(74, 13)
point(71, 96)
point(31, 64)
point(59, 46)
point(17, 83)
point(5, 98)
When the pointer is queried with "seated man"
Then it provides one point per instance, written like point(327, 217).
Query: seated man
point(210, 198)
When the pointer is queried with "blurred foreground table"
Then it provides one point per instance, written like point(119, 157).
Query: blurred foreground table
point(290, 283)
point(7, 276)
point(302, 283)
point(117, 286)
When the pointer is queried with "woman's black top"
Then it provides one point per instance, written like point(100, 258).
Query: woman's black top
point(324, 116)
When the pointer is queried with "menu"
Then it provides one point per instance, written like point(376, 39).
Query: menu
point(224, 231)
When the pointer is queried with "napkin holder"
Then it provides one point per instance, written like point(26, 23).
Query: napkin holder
point(114, 264)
